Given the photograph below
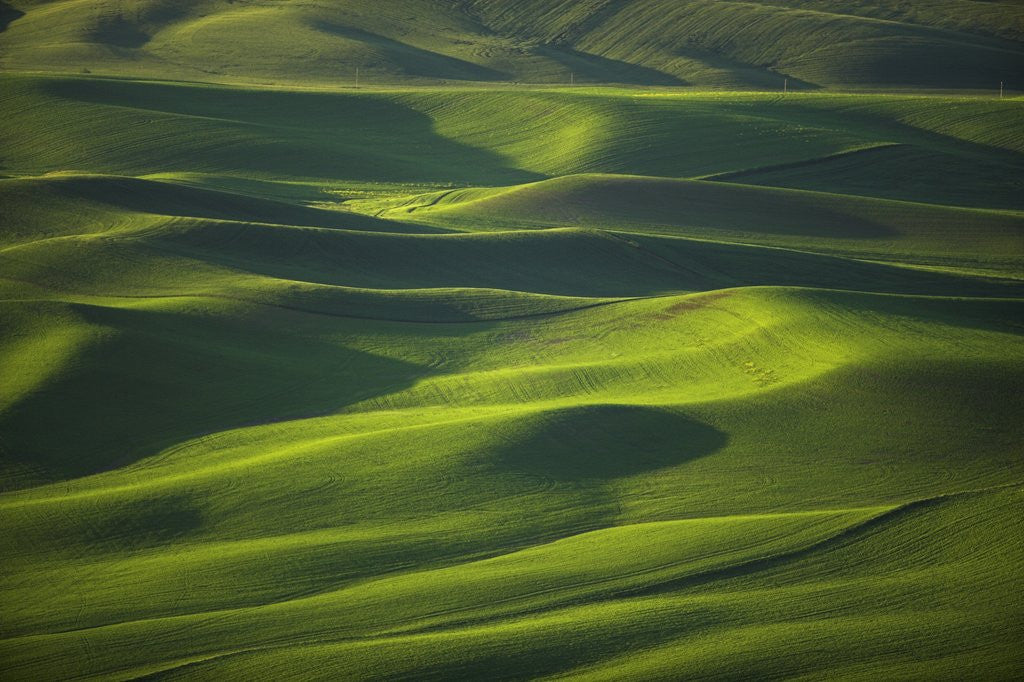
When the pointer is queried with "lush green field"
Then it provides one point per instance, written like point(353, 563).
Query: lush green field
point(970, 44)
point(447, 378)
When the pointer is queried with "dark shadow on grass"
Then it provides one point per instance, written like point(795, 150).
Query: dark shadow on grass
point(760, 76)
point(415, 61)
point(881, 125)
point(143, 523)
point(733, 265)
point(666, 203)
point(593, 68)
point(368, 136)
point(161, 378)
point(545, 262)
point(172, 199)
point(8, 15)
point(604, 442)
point(119, 32)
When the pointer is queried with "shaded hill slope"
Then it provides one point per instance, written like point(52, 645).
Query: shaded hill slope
point(825, 222)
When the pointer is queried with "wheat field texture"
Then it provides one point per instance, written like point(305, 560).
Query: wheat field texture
point(577, 339)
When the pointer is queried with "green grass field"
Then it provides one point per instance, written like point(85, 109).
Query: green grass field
point(470, 373)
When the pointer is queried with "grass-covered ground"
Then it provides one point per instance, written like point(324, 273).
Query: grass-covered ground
point(970, 44)
point(480, 380)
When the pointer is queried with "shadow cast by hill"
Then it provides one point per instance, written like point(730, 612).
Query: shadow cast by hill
point(113, 195)
point(160, 378)
point(119, 32)
point(260, 133)
point(143, 523)
point(605, 442)
point(597, 69)
point(8, 15)
point(417, 61)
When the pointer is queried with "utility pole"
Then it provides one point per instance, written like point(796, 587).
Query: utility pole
point(785, 86)
point(572, 78)
point(1000, 89)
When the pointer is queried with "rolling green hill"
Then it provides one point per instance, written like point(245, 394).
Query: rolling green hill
point(464, 374)
point(725, 44)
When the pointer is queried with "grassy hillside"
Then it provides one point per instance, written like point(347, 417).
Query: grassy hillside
point(398, 142)
point(823, 221)
point(477, 380)
point(813, 43)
